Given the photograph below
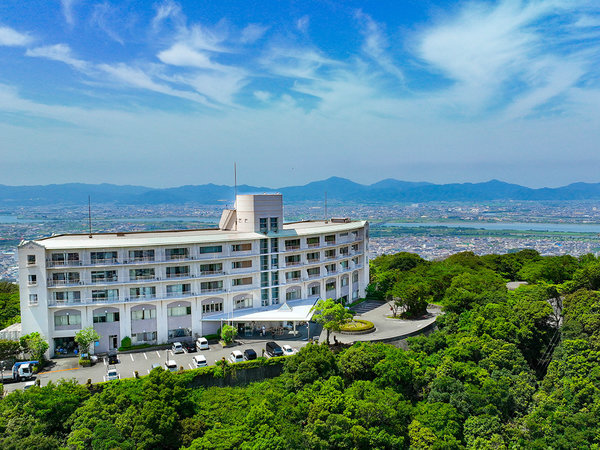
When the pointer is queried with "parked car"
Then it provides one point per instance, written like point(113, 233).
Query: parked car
point(288, 350)
point(171, 365)
point(273, 349)
point(112, 374)
point(202, 343)
point(236, 356)
point(154, 366)
point(190, 347)
point(29, 385)
point(249, 354)
point(199, 361)
point(177, 348)
point(113, 358)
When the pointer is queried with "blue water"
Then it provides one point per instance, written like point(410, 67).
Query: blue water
point(509, 226)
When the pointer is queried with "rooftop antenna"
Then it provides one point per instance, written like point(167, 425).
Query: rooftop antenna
point(90, 215)
point(325, 206)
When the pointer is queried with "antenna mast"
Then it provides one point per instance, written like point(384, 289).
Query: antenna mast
point(90, 214)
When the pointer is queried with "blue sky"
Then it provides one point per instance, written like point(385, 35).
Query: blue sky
point(169, 93)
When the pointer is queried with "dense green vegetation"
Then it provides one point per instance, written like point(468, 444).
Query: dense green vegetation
point(10, 311)
point(504, 369)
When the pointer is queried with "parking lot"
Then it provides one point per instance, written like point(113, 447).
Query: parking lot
point(129, 363)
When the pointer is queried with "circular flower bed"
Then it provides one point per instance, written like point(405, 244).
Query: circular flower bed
point(357, 326)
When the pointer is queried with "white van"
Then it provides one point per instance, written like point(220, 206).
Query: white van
point(171, 365)
point(199, 361)
point(177, 347)
point(202, 343)
point(236, 356)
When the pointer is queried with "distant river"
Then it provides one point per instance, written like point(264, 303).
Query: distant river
point(15, 219)
point(510, 226)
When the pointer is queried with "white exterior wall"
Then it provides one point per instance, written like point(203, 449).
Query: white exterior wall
point(41, 317)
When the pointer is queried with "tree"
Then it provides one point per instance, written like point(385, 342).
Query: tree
point(35, 345)
point(9, 349)
point(331, 315)
point(411, 295)
point(86, 337)
point(228, 333)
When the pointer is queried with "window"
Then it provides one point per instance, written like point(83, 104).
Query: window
point(264, 297)
point(264, 262)
point(65, 278)
point(313, 241)
point(344, 281)
point(179, 333)
point(175, 290)
point(330, 254)
point(292, 276)
point(30, 260)
point(177, 253)
point(208, 269)
point(141, 274)
point(143, 314)
point(292, 244)
point(241, 264)
point(63, 320)
point(61, 259)
point(32, 280)
point(210, 308)
point(241, 281)
point(177, 311)
point(274, 261)
point(354, 295)
point(344, 251)
point(275, 296)
point(314, 256)
point(211, 286)
point(241, 247)
point(67, 297)
point(330, 285)
point(241, 303)
point(344, 264)
point(263, 224)
point(33, 299)
point(211, 249)
point(330, 268)
point(314, 272)
point(330, 239)
point(104, 276)
point(274, 223)
point(293, 294)
point(343, 235)
point(274, 277)
point(105, 295)
point(264, 246)
point(354, 247)
point(355, 277)
point(178, 271)
point(141, 255)
point(142, 292)
point(314, 290)
point(106, 317)
point(292, 260)
point(355, 261)
point(264, 279)
point(103, 257)
point(143, 338)
point(274, 245)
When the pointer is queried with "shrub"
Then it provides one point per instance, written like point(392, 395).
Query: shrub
point(357, 325)
point(85, 362)
point(126, 342)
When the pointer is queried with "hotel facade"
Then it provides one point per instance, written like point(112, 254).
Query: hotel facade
point(253, 271)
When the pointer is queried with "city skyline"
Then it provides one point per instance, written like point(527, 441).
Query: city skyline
point(171, 93)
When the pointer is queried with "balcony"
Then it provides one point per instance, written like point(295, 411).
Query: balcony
point(104, 262)
point(179, 276)
point(243, 287)
point(177, 258)
point(293, 263)
point(64, 283)
point(212, 291)
point(180, 294)
point(211, 273)
point(289, 248)
point(314, 245)
point(138, 298)
point(292, 280)
point(329, 243)
point(141, 260)
point(105, 281)
point(52, 302)
point(50, 263)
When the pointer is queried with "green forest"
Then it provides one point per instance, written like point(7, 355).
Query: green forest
point(504, 369)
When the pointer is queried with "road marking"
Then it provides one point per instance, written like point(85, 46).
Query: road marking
point(134, 374)
point(60, 370)
point(158, 353)
point(131, 354)
point(145, 356)
point(191, 367)
point(104, 378)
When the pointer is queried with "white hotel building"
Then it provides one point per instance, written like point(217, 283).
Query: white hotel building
point(164, 286)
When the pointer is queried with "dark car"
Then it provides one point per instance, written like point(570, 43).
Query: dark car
point(249, 354)
point(189, 346)
point(113, 358)
point(273, 349)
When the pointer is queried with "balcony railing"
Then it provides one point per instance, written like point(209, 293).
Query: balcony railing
point(314, 245)
point(293, 263)
point(65, 283)
point(211, 273)
point(212, 290)
point(50, 263)
point(289, 248)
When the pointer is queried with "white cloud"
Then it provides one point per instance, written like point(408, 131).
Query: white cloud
point(302, 23)
point(104, 16)
point(168, 10)
point(181, 54)
point(263, 96)
point(12, 38)
point(67, 10)
point(58, 52)
point(252, 33)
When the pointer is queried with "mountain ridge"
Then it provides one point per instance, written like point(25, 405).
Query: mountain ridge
point(338, 189)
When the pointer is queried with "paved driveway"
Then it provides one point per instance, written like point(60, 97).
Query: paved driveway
point(68, 368)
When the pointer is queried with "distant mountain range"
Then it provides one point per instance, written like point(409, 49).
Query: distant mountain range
point(338, 190)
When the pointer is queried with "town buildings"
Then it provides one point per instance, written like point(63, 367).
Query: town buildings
point(254, 271)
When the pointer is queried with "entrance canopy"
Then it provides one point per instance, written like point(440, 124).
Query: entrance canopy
point(296, 310)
